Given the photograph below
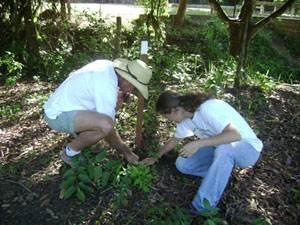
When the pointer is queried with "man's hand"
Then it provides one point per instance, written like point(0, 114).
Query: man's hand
point(190, 149)
point(149, 161)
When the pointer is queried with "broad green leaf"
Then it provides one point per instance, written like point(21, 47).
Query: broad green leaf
point(68, 182)
point(86, 187)
point(209, 222)
point(68, 173)
point(80, 195)
point(105, 178)
point(68, 193)
point(97, 173)
point(91, 171)
point(206, 204)
point(84, 178)
point(100, 156)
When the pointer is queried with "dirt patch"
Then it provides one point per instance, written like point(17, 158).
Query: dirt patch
point(30, 172)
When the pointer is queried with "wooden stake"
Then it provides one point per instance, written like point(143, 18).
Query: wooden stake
point(141, 101)
point(117, 40)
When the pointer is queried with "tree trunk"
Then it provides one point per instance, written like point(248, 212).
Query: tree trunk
point(14, 22)
point(179, 17)
point(242, 56)
point(69, 9)
point(30, 28)
point(63, 10)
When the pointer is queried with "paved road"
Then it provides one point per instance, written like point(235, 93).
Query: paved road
point(109, 12)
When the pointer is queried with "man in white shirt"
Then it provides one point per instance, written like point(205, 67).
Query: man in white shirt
point(85, 104)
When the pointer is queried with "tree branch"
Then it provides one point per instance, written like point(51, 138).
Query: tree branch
point(275, 14)
point(220, 12)
point(246, 10)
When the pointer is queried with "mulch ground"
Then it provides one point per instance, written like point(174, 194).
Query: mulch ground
point(31, 172)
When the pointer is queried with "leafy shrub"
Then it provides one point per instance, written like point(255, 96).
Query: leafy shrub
point(264, 57)
point(88, 176)
point(211, 215)
point(10, 69)
point(10, 111)
point(53, 61)
point(259, 221)
point(166, 215)
point(217, 78)
point(139, 176)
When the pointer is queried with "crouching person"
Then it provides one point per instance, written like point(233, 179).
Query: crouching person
point(223, 140)
point(85, 104)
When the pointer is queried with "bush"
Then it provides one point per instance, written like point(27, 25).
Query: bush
point(10, 69)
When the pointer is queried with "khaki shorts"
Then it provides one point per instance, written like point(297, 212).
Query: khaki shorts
point(64, 122)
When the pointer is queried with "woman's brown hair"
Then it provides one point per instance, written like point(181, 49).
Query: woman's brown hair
point(169, 100)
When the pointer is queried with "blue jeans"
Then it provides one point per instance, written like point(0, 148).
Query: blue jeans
point(215, 164)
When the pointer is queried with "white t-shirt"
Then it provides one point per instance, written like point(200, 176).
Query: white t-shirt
point(211, 118)
point(93, 87)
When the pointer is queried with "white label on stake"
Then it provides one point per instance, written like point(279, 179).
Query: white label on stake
point(144, 47)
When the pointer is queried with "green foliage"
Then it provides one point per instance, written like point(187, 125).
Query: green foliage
point(262, 80)
point(10, 69)
point(89, 175)
point(217, 78)
point(53, 61)
point(139, 176)
point(259, 221)
point(95, 40)
point(296, 194)
point(37, 99)
point(267, 58)
point(166, 215)
point(208, 37)
point(211, 215)
point(10, 111)
point(159, 7)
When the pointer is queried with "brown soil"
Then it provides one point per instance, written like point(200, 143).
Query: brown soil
point(31, 172)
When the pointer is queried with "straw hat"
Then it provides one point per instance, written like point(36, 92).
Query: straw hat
point(136, 72)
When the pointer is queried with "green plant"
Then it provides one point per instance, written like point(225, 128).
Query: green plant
point(37, 99)
point(10, 111)
point(139, 176)
point(262, 80)
point(296, 194)
point(53, 60)
point(218, 77)
point(166, 215)
point(88, 176)
point(259, 221)
point(251, 104)
point(211, 214)
point(10, 69)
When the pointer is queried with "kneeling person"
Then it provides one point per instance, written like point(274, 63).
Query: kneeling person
point(85, 104)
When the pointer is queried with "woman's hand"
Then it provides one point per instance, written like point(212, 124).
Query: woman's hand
point(190, 148)
point(149, 161)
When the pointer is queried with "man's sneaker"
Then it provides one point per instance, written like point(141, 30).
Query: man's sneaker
point(69, 160)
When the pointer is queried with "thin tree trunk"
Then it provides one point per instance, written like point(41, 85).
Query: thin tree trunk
point(30, 28)
point(13, 19)
point(69, 9)
point(242, 57)
point(179, 17)
point(63, 10)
